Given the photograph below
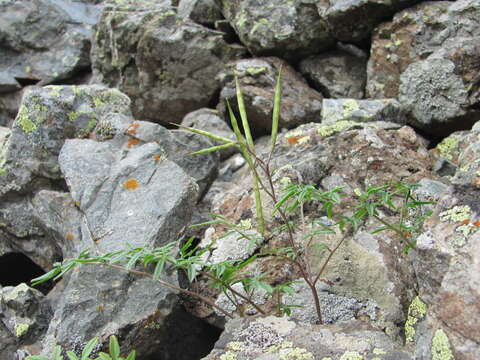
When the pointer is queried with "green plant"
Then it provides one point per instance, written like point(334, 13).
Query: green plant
point(302, 231)
point(114, 352)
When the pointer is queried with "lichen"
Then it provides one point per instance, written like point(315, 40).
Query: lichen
point(236, 346)
point(378, 351)
point(73, 116)
point(229, 355)
point(349, 106)
point(327, 130)
point(456, 214)
point(21, 329)
point(351, 355)
point(416, 312)
point(441, 346)
point(295, 353)
point(256, 70)
point(131, 184)
point(23, 119)
point(447, 146)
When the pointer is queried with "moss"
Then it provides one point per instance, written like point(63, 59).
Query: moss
point(416, 311)
point(456, 214)
point(21, 329)
point(447, 146)
point(3, 172)
point(351, 355)
point(327, 130)
point(441, 346)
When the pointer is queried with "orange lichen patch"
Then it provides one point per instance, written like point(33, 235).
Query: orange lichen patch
point(69, 236)
point(465, 222)
point(477, 223)
point(131, 184)
point(293, 140)
point(77, 203)
point(100, 308)
point(157, 157)
point(132, 129)
point(132, 142)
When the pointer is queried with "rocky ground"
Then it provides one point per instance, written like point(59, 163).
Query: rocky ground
point(373, 92)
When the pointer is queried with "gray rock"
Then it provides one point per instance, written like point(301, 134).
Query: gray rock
point(334, 110)
point(353, 21)
point(446, 262)
point(209, 120)
point(336, 74)
point(9, 105)
point(167, 66)
point(44, 40)
point(46, 118)
point(205, 12)
point(287, 29)
point(273, 338)
point(24, 315)
point(257, 78)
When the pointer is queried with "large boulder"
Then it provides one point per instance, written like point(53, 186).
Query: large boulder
point(272, 338)
point(337, 74)
point(287, 29)
point(353, 20)
point(257, 78)
point(447, 264)
point(166, 64)
point(434, 72)
point(44, 40)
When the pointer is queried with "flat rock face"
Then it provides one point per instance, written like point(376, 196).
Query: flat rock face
point(165, 64)
point(273, 338)
point(257, 78)
point(447, 267)
point(432, 71)
point(337, 74)
point(44, 40)
point(289, 29)
point(348, 19)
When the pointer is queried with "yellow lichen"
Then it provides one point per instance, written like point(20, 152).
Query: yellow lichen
point(441, 346)
point(416, 312)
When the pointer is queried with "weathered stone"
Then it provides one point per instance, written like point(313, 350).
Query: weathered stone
point(46, 118)
point(9, 105)
point(353, 21)
point(446, 263)
point(337, 74)
point(289, 29)
point(24, 315)
point(257, 78)
point(434, 72)
point(167, 66)
point(44, 40)
point(272, 338)
point(209, 120)
point(335, 110)
point(205, 12)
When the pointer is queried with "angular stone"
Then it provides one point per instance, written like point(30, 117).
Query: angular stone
point(44, 40)
point(287, 29)
point(337, 74)
point(167, 66)
point(205, 12)
point(334, 110)
point(257, 78)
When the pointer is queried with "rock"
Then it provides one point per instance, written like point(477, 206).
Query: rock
point(287, 29)
point(334, 110)
point(24, 315)
point(209, 120)
point(446, 263)
point(257, 78)
point(461, 151)
point(9, 105)
point(272, 338)
point(433, 72)
point(204, 12)
point(127, 198)
point(46, 118)
point(348, 19)
point(44, 40)
point(336, 74)
point(167, 66)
